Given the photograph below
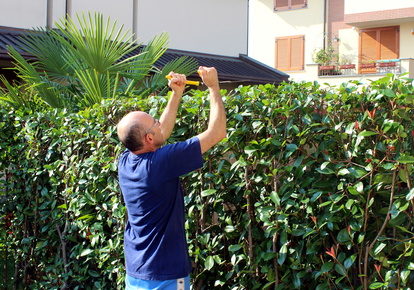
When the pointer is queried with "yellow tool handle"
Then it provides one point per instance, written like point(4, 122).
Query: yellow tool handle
point(194, 83)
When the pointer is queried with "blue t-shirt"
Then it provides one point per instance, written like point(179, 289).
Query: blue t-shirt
point(155, 240)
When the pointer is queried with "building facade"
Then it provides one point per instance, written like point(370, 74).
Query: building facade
point(213, 32)
point(214, 26)
point(362, 39)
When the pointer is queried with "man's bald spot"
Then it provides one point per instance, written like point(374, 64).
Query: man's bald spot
point(129, 121)
point(129, 126)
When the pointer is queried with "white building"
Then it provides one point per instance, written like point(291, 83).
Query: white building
point(214, 32)
point(286, 34)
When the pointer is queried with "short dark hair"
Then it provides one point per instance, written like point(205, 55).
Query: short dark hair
point(133, 137)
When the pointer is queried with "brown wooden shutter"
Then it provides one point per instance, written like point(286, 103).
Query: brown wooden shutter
point(368, 46)
point(281, 4)
point(282, 54)
point(289, 4)
point(388, 44)
point(297, 52)
point(378, 44)
point(298, 3)
point(289, 53)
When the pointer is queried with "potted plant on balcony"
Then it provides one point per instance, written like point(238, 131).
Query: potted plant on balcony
point(346, 63)
point(386, 63)
point(367, 64)
point(326, 58)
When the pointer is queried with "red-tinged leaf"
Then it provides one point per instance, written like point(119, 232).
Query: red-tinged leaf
point(371, 114)
point(331, 252)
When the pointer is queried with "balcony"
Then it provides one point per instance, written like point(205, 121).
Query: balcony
point(374, 67)
point(335, 75)
point(368, 13)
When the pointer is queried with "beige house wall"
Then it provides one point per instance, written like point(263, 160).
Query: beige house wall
point(23, 14)
point(120, 10)
point(361, 6)
point(214, 26)
point(406, 40)
point(266, 25)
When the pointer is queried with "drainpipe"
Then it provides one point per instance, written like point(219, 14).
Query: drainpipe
point(135, 19)
point(325, 4)
point(49, 14)
point(68, 9)
point(248, 26)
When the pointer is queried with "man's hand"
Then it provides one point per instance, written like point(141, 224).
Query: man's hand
point(177, 82)
point(209, 76)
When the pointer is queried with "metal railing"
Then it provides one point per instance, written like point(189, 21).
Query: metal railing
point(378, 67)
point(389, 66)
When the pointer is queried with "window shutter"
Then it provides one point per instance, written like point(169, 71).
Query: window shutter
point(282, 54)
point(298, 3)
point(281, 4)
point(377, 44)
point(289, 4)
point(297, 52)
point(368, 46)
point(388, 44)
point(290, 53)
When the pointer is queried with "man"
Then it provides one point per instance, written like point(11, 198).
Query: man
point(155, 243)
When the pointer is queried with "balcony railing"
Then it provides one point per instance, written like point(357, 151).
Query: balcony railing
point(378, 67)
point(389, 66)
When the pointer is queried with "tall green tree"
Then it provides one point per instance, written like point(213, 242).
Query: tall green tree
point(81, 63)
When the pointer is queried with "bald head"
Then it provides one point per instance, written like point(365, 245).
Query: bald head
point(132, 129)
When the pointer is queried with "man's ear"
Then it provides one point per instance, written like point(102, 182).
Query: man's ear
point(148, 138)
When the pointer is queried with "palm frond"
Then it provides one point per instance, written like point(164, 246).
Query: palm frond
point(46, 89)
point(97, 86)
point(86, 62)
point(95, 43)
point(183, 65)
point(13, 96)
point(45, 46)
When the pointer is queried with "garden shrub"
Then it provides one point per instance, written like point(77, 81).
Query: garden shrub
point(311, 189)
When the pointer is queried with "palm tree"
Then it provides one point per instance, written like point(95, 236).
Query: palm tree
point(77, 66)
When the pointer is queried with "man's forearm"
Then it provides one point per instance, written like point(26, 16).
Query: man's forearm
point(217, 121)
point(216, 130)
point(169, 115)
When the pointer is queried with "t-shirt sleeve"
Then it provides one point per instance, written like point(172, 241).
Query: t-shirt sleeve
point(184, 157)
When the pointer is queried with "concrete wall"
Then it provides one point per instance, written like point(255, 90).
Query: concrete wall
point(214, 26)
point(23, 14)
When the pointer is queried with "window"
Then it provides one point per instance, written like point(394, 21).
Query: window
point(290, 4)
point(290, 53)
point(377, 44)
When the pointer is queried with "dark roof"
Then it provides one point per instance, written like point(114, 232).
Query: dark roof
point(10, 36)
point(241, 69)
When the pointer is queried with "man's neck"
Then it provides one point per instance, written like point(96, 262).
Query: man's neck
point(144, 150)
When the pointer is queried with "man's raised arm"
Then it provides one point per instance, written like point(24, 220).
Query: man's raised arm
point(167, 119)
point(216, 130)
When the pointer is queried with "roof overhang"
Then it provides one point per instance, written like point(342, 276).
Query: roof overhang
point(239, 70)
point(377, 19)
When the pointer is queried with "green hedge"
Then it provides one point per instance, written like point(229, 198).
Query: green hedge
point(312, 189)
